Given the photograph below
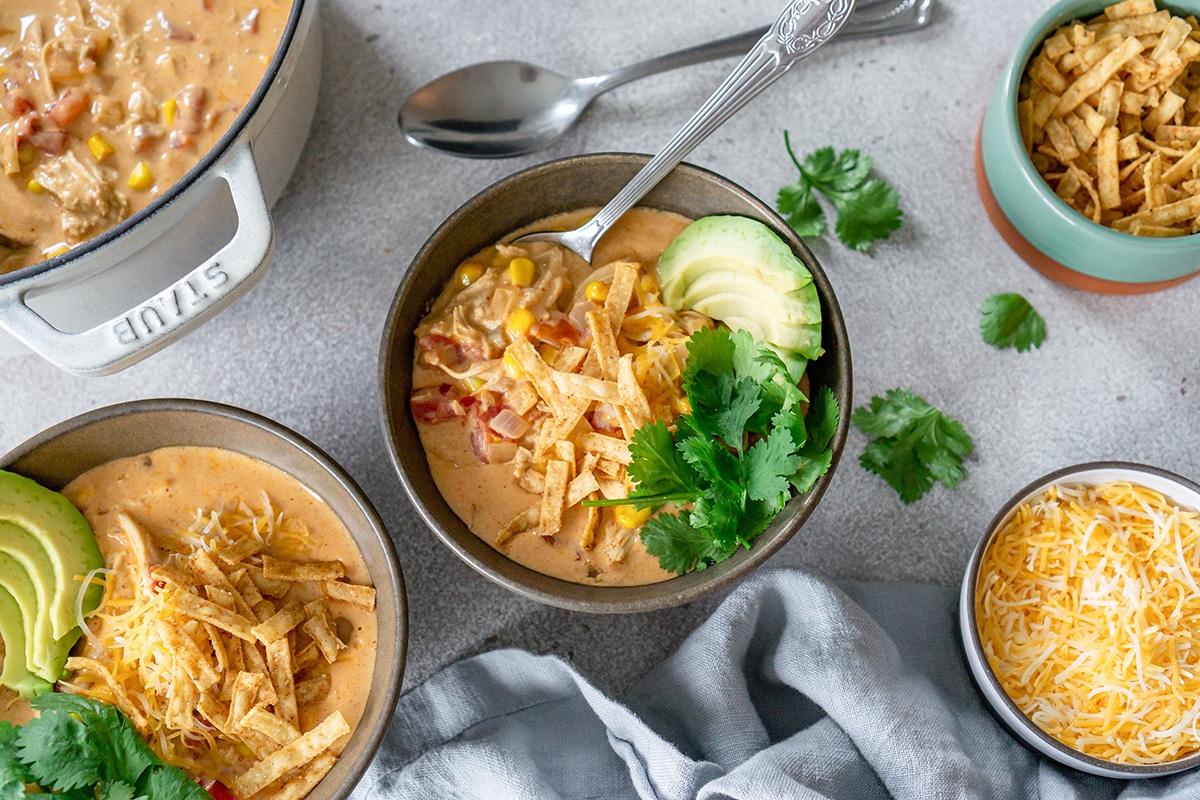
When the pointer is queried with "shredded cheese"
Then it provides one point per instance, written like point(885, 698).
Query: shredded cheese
point(136, 657)
point(1089, 614)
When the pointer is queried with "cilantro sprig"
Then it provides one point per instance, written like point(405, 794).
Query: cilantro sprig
point(1009, 320)
point(868, 209)
point(914, 444)
point(732, 463)
point(81, 749)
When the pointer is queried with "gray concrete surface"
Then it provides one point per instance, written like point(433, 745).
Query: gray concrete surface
point(1116, 378)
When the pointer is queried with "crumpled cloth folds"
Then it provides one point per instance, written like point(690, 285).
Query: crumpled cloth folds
point(795, 687)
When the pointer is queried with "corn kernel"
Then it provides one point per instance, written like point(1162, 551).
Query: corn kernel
point(596, 291)
point(474, 384)
point(513, 366)
point(469, 273)
point(629, 517)
point(26, 153)
point(169, 107)
point(100, 148)
point(141, 178)
point(34, 187)
point(521, 271)
point(519, 322)
point(549, 353)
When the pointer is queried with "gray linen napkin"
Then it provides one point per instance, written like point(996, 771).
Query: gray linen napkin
point(794, 688)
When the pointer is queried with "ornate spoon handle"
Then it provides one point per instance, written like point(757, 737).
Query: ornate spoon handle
point(804, 26)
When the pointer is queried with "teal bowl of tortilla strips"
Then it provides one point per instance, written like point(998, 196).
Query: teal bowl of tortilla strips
point(1087, 155)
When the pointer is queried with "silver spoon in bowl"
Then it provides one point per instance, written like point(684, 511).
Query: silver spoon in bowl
point(499, 109)
point(803, 27)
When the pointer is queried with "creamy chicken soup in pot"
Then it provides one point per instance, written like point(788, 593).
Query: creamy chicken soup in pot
point(107, 103)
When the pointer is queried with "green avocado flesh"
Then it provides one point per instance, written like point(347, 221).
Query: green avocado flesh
point(46, 546)
point(15, 673)
point(737, 270)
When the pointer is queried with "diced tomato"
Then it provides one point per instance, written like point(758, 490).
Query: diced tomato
point(218, 790)
point(558, 332)
point(431, 405)
point(17, 101)
point(69, 105)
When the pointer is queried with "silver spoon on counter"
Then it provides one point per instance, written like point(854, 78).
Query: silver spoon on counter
point(802, 28)
point(499, 109)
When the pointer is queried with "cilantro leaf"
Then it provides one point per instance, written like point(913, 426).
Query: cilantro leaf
point(868, 209)
point(61, 751)
point(870, 212)
point(86, 750)
point(798, 204)
point(116, 790)
point(914, 444)
point(13, 774)
point(735, 458)
point(1008, 320)
point(816, 457)
point(170, 783)
point(677, 545)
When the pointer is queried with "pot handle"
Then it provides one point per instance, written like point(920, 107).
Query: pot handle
point(113, 345)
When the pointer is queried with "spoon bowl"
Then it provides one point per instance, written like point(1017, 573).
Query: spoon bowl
point(500, 109)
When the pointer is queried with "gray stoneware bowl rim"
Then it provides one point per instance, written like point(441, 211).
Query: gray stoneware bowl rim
point(993, 693)
point(387, 679)
point(407, 454)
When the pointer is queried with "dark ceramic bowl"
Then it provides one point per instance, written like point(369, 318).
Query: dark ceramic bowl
point(517, 201)
point(56, 456)
point(1180, 491)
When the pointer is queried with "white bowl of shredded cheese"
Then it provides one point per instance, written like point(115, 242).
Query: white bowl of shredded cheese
point(1080, 618)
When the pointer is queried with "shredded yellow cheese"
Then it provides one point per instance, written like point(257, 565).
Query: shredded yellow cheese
point(1089, 612)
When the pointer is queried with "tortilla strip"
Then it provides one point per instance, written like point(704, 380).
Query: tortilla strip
point(268, 586)
point(1094, 79)
point(306, 778)
point(319, 628)
point(350, 593)
point(553, 498)
point(278, 625)
point(604, 343)
point(604, 446)
point(278, 569)
point(207, 611)
point(292, 755)
point(314, 689)
point(537, 371)
point(620, 292)
point(578, 489)
point(245, 690)
point(187, 654)
point(632, 396)
point(591, 388)
point(279, 668)
point(240, 550)
point(588, 539)
point(92, 666)
point(270, 725)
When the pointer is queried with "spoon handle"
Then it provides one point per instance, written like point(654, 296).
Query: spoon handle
point(869, 18)
point(804, 26)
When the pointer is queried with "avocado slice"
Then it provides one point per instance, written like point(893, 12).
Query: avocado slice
point(66, 537)
point(20, 546)
point(737, 270)
point(15, 580)
point(15, 674)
